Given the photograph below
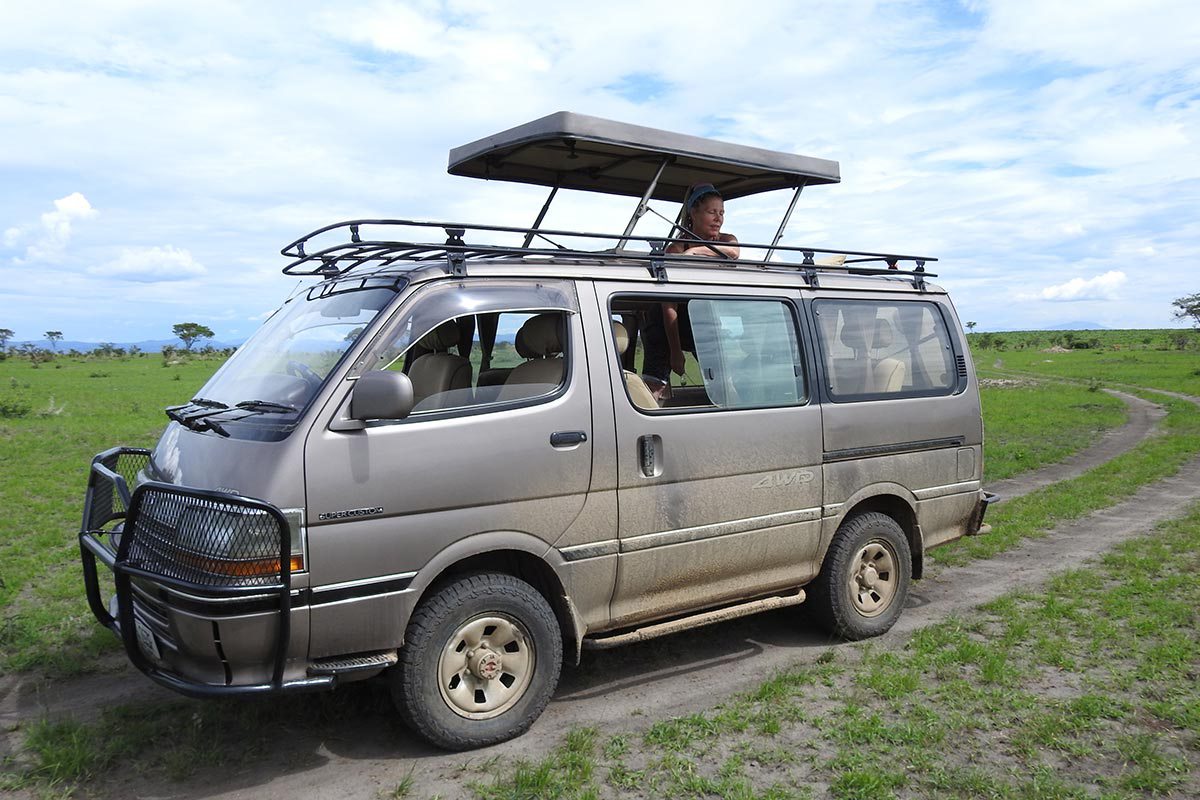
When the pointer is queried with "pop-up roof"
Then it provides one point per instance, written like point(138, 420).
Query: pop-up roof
point(576, 151)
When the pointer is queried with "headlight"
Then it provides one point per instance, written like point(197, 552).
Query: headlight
point(241, 543)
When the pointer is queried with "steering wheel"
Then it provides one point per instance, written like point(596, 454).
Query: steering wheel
point(304, 372)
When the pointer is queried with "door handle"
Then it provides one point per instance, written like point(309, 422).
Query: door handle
point(650, 455)
point(567, 438)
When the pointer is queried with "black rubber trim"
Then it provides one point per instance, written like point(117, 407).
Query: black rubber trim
point(891, 449)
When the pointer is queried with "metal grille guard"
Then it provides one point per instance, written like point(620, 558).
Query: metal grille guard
point(146, 544)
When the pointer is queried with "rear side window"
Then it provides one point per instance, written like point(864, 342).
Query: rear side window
point(709, 353)
point(873, 349)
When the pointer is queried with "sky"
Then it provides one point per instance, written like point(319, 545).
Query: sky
point(155, 156)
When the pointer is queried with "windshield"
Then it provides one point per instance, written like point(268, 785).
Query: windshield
point(274, 375)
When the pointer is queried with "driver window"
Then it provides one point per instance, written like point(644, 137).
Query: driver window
point(484, 359)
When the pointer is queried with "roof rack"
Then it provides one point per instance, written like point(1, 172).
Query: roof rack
point(455, 252)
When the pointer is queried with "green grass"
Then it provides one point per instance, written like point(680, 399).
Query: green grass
point(1038, 512)
point(1122, 639)
point(1173, 371)
point(971, 707)
point(1028, 424)
point(78, 408)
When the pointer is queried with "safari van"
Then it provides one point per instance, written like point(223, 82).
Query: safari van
point(438, 462)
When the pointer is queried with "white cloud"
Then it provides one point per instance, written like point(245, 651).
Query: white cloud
point(55, 233)
point(1102, 287)
point(11, 237)
point(151, 265)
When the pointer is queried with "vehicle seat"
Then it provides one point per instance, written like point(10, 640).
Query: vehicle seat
point(849, 376)
point(639, 393)
point(539, 340)
point(439, 370)
point(887, 373)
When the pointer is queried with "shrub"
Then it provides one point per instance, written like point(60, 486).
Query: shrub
point(14, 407)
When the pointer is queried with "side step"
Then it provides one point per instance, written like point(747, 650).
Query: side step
point(340, 665)
point(693, 621)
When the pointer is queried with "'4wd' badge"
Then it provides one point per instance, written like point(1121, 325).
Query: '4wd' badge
point(779, 479)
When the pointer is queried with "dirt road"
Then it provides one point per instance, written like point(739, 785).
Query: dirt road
point(364, 754)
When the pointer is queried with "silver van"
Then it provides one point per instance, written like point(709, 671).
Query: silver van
point(439, 462)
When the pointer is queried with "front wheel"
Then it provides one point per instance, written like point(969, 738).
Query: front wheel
point(481, 659)
point(864, 581)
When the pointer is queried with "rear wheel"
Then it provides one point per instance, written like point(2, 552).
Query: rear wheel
point(864, 581)
point(481, 659)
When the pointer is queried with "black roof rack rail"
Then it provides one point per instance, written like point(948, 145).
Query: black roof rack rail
point(347, 254)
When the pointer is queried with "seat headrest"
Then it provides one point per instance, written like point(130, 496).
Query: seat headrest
point(441, 338)
point(540, 336)
point(853, 336)
point(622, 337)
point(883, 334)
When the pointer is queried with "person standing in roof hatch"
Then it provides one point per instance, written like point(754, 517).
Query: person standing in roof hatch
point(669, 336)
point(700, 220)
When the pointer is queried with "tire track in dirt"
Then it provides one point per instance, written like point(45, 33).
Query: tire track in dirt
point(629, 688)
point(1142, 421)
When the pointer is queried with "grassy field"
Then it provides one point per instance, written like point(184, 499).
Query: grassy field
point(1018, 689)
point(1030, 423)
point(1085, 690)
point(53, 419)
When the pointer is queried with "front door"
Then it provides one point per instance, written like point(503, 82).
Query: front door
point(503, 452)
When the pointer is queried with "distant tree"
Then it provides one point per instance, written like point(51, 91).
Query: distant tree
point(189, 332)
point(105, 349)
point(1188, 306)
point(1181, 340)
point(5, 335)
point(971, 326)
point(54, 338)
point(33, 353)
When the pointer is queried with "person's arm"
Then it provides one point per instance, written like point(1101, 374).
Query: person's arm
point(728, 247)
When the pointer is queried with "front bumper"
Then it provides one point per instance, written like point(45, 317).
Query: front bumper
point(190, 620)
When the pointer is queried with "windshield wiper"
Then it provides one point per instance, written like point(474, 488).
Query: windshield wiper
point(209, 424)
point(197, 418)
point(266, 406)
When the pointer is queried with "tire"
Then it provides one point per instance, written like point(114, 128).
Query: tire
point(480, 660)
point(864, 581)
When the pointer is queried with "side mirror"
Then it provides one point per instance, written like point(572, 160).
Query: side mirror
point(381, 394)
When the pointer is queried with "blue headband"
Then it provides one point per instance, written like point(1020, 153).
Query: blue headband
point(698, 193)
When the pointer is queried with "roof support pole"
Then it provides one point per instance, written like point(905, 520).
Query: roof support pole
point(787, 216)
point(537, 223)
point(642, 206)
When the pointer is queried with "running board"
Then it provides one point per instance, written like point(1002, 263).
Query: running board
point(359, 663)
point(693, 621)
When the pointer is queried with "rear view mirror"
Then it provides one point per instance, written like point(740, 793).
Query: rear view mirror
point(381, 394)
